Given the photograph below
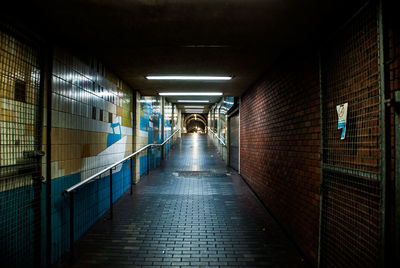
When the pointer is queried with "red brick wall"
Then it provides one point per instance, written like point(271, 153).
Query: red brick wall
point(393, 75)
point(280, 148)
point(281, 144)
point(351, 222)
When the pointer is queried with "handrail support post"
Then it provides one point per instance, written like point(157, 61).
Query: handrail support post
point(148, 160)
point(71, 190)
point(111, 195)
point(71, 227)
point(132, 175)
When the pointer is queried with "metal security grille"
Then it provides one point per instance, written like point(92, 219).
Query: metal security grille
point(351, 216)
point(20, 166)
point(234, 142)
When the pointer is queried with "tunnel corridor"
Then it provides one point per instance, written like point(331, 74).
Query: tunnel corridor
point(191, 211)
point(195, 123)
point(177, 133)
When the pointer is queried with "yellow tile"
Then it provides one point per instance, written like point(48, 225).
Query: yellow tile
point(29, 130)
point(53, 153)
point(44, 136)
point(6, 115)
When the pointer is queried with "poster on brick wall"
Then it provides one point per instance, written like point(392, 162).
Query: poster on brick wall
point(342, 118)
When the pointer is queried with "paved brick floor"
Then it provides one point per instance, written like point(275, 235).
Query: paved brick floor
point(193, 211)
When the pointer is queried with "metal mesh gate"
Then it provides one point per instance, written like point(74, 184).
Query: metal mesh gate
point(20, 166)
point(351, 216)
point(234, 141)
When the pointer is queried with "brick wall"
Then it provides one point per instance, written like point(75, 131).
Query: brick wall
point(393, 76)
point(280, 148)
point(281, 144)
point(351, 220)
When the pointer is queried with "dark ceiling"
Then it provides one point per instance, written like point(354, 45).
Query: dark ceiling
point(239, 38)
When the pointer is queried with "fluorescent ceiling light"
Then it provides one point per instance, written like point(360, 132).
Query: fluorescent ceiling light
point(148, 101)
point(190, 77)
point(190, 106)
point(193, 100)
point(190, 94)
point(194, 112)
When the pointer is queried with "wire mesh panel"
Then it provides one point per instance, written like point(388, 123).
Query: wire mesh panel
point(234, 142)
point(351, 221)
point(20, 140)
point(351, 189)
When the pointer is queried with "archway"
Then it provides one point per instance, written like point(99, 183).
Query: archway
point(195, 123)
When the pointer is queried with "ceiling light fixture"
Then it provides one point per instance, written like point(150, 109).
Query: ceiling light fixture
point(198, 109)
point(189, 77)
point(190, 93)
point(194, 111)
point(190, 106)
point(193, 100)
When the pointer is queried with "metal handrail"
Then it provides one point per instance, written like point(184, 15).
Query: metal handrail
point(70, 190)
point(216, 135)
point(74, 187)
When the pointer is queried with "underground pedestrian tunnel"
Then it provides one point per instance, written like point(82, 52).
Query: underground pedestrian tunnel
point(199, 133)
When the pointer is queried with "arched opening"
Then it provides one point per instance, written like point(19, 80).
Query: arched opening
point(195, 123)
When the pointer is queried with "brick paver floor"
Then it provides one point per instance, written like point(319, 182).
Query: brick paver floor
point(192, 211)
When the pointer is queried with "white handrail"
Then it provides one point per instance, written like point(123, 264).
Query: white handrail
point(216, 135)
point(74, 187)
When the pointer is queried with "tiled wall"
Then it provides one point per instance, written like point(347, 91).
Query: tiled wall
point(168, 115)
point(218, 116)
point(178, 122)
point(151, 119)
point(20, 185)
point(149, 129)
point(19, 99)
point(92, 126)
point(92, 119)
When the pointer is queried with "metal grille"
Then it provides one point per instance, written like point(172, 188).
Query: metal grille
point(351, 221)
point(351, 188)
point(20, 140)
point(234, 142)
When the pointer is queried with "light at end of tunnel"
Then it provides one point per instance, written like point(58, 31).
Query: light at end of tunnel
point(187, 77)
point(190, 93)
point(199, 101)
